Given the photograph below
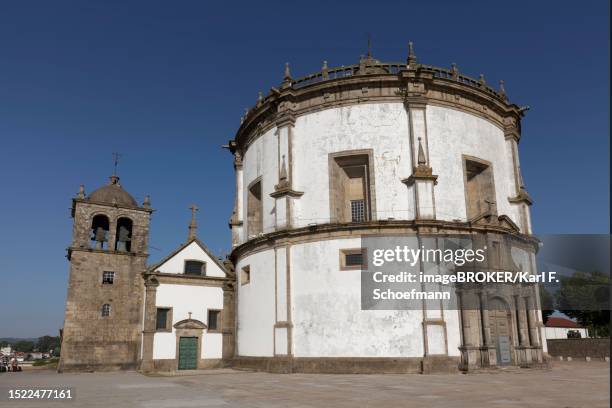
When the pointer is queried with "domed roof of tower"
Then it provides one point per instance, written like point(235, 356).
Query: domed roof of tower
point(113, 193)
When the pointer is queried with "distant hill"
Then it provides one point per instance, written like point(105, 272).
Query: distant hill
point(13, 340)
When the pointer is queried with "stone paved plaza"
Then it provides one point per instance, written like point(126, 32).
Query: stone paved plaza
point(567, 384)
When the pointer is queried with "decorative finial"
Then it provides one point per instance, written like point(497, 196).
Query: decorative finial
point(147, 201)
point(259, 97)
point(324, 71)
point(411, 56)
point(502, 89)
point(421, 155)
point(189, 313)
point(81, 193)
point(193, 226)
point(287, 72)
point(369, 46)
point(283, 171)
point(114, 179)
point(482, 80)
point(454, 71)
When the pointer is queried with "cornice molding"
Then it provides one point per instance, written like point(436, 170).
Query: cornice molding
point(320, 232)
point(417, 88)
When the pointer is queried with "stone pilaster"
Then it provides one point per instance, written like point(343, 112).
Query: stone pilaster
point(521, 198)
point(283, 193)
point(148, 332)
point(470, 347)
point(228, 322)
point(236, 221)
point(489, 353)
point(283, 326)
point(422, 180)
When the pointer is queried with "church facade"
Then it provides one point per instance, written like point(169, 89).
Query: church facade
point(371, 149)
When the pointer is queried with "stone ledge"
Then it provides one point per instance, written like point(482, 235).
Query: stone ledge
point(348, 365)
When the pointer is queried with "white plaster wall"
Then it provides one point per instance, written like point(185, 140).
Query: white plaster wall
point(193, 251)
point(382, 127)
point(261, 159)
point(561, 332)
point(453, 133)
point(184, 299)
point(453, 332)
point(326, 310)
point(256, 306)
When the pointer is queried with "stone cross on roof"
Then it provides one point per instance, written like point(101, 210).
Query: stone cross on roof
point(193, 226)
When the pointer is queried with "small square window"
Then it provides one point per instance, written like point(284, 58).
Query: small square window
point(108, 278)
point(106, 310)
point(214, 322)
point(245, 275)
point(196, 268)
point(163, 320)
point(353, 259)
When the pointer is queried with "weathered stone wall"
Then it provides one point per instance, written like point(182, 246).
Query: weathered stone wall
point(91, 341)
point(579, 348)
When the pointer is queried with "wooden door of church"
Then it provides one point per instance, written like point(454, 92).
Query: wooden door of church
point(188, 353)
point(499, 322)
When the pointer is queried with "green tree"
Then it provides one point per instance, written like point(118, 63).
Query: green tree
point(46, 343)
point(586, 297)
point(546, 303)
point(24, 346)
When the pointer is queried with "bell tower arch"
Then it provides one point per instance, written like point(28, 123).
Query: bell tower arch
point(104, 304)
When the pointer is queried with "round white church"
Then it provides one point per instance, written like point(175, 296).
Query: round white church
point(322, 162)
point(374, 149)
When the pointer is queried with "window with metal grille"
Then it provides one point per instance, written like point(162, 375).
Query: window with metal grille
point(195, 268)
point(213, 319)
point(357, 210)
point(106, 310)
point(161, 322)
point(355, 259)
point(108, 278)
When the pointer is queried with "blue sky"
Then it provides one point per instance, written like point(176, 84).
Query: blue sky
point(165, 84)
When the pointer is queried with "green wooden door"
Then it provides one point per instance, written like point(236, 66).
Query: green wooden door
point(188, 353)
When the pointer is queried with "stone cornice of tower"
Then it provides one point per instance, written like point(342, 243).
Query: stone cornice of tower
point(127, 207)
point(370, 82)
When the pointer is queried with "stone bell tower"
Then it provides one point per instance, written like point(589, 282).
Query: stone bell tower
point(108, 254)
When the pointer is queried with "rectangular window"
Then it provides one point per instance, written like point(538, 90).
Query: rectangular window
point(163, 321)
point(357, 210)
point(245, 275)
point(106, 310)
point(479, 188)
point(214, 321)
point(108, 278)
point(254, 210)
point(350, 188)
point(195, 268)
point(354, 258)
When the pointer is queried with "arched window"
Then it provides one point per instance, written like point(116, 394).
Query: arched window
point(123, 240)
point(106, 310)
point(99, 232)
